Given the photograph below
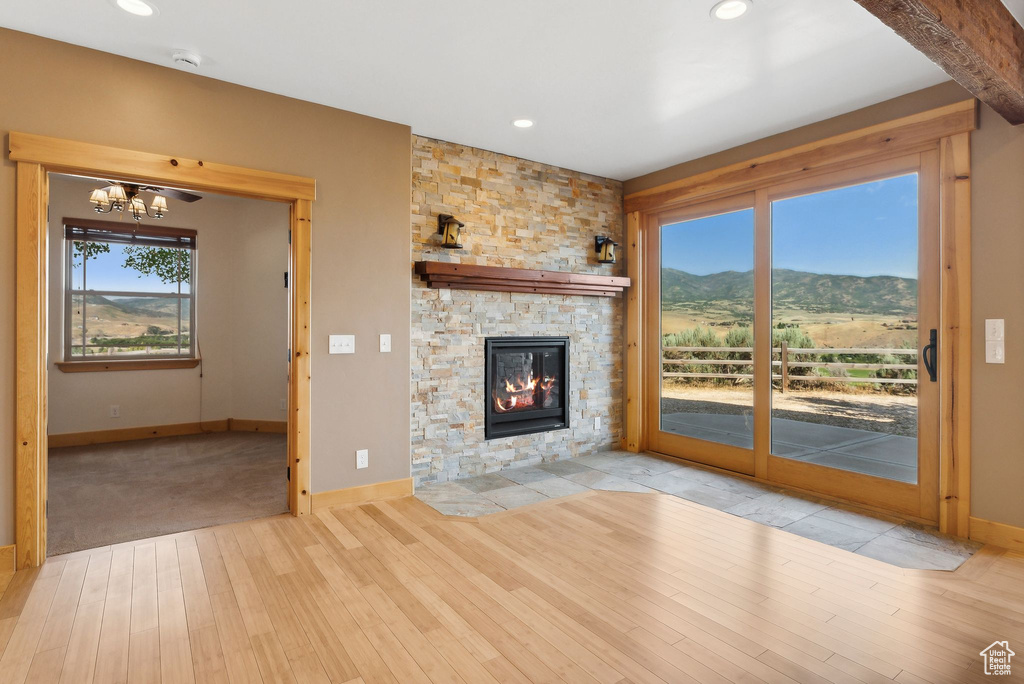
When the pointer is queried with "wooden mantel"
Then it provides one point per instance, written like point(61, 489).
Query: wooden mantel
point(500, 279)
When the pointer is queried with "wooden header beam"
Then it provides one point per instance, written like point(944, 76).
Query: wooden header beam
point(68, 156)
point(978, 43)
point(909, 134)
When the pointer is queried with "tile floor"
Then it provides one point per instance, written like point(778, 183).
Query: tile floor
point(869, 534)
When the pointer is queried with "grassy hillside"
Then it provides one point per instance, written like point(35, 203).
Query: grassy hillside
point(731, 293)
point(132, 309)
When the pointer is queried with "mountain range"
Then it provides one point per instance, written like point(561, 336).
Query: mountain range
point(131, 308)
point(800, 290)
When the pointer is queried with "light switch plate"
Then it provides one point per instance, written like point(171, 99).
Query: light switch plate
point(385, 343)
point(597, 422)
point(341, 344)
point(362, 458)
point(994, 329)
point(994, 352)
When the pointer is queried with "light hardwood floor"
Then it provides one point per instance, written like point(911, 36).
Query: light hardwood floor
point(608, 587)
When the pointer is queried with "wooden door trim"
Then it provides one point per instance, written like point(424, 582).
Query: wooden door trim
point(633, 397)
point(762, 343)
point(955, 335)
point(899, 497)
point(70, 156)
point(882, 140)
point(36, 157)
point(945, 131)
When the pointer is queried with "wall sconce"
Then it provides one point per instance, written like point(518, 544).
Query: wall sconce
point(450, 229)
point(605, 248)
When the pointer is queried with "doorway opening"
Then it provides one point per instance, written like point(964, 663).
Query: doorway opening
point(37, 157)
point(168, 366)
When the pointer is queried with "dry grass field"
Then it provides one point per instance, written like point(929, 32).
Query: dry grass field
point(826, 329)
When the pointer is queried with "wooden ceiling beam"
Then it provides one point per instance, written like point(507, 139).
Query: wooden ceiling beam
point(977, 42)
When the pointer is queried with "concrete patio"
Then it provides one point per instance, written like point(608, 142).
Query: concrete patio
point(893, 457)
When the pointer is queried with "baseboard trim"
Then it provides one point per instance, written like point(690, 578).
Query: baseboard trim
point(7, 559)
point(378, 491)
point(997, 534)
point(174, 430)
point(277, 427)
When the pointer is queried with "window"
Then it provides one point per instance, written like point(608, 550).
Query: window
point(129, 291)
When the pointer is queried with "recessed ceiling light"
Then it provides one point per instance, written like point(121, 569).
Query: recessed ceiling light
point(139, 8)
point(522, 123)
point(730, 9)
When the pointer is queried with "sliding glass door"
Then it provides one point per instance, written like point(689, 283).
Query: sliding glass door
point(703, 323)
point(834, 280)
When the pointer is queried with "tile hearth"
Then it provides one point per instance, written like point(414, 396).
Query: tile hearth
point(869, 534)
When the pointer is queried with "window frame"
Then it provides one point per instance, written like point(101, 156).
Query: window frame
point(186, 238)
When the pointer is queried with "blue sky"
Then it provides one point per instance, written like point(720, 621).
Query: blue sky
point(864, 230)
point(107, 272)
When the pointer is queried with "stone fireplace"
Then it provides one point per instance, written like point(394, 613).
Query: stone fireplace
point(526, 385)
point(518, 214)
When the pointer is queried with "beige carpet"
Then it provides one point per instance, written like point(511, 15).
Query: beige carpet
point(111, 493)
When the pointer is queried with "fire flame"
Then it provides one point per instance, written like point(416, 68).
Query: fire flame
point(520, 394)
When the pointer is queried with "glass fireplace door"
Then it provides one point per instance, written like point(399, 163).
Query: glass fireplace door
point(527, 385)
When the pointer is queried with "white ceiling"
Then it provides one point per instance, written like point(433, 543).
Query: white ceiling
point(617, 88)
point(1016, 8)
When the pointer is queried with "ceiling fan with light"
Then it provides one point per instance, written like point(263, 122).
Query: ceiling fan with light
point(119, 196)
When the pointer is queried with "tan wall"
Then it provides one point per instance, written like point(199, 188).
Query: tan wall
point(997, 264)
point(360, 225)
point(241, 322)
point(997, 244)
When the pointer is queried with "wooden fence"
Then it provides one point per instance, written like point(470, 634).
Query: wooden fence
point(782, 366)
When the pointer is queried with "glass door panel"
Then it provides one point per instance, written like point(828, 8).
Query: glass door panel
point(845, 328)
point(706, 333)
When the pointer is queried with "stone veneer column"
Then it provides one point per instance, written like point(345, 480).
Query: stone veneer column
point(519, 214)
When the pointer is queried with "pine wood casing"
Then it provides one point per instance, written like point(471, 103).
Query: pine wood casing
point(37, 156)
point(903, 135)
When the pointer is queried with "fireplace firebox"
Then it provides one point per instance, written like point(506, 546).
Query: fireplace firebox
point(527, 385)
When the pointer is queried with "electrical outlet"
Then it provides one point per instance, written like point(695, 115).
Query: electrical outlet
point(994, 351)
point(597, 422)
point(362, 458)
point(385, 343)
point(115, 411)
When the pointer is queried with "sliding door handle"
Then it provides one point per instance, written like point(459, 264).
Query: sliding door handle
point(929, 353)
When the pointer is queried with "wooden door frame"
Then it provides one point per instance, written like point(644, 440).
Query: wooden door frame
point(37, 156)
point(945, 131)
